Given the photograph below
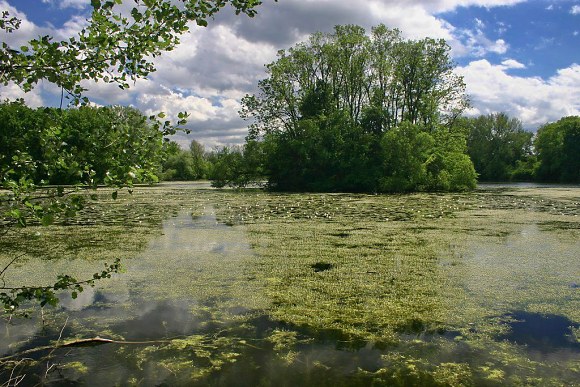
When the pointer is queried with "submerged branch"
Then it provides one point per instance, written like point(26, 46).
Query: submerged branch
point(90, 342)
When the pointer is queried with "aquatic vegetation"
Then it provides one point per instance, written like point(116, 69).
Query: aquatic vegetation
point(432, 289)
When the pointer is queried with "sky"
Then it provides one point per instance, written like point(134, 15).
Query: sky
point(516, 56)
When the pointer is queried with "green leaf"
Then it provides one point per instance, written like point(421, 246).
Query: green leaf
point(47, 219)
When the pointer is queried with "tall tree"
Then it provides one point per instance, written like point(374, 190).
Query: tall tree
point(185, 165)
point(329, 105)
point(379, 80)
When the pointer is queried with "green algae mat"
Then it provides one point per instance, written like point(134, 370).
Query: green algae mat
point(225, 287)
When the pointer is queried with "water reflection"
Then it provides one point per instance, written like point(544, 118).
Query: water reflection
point(173, 289)
point(194, 316)
point(541, 332)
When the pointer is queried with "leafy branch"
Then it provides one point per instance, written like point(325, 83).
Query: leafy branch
point(12, 297)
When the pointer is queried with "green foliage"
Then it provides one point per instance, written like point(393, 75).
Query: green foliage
point(107, 145)
point(417, 160)
point(498, 145)
point(237, 166)
point(407, 150)
point(525, 170)
point(351, 112)
point(326, 154)
point(558, 148)
point(183, 165)
point(114, 47)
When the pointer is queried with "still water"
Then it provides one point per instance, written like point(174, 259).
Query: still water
point(189, 310)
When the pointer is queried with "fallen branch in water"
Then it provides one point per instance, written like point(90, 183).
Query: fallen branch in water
point(91, 342)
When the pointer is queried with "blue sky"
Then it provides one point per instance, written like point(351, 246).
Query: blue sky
point(516, 56)
point(543, 35)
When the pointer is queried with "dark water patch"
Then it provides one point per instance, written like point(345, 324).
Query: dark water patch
point(544, 333)
point(321, 266)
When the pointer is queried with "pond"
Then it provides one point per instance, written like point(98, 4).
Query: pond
point(225, 287)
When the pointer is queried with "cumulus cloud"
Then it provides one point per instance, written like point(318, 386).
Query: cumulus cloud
point(13, 92)
point(533, 100)
point(512, 64)
point(209, 119)
point(575, 10)
point(216, 60)
point(476, 43)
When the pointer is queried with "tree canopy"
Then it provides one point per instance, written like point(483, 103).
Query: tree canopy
point(498, 146)
point(351, 112)
point(558, 148)
point(379, 80)
point(90, 145)
point(179, 164)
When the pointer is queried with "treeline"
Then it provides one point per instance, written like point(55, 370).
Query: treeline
point(354, 112)
point(501, 150)
point(344, 111)
point(234, 166)
point(86, 145)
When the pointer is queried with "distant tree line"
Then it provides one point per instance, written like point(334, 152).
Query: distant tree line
point(98, 145)
point(501, 150)
point(344, 111)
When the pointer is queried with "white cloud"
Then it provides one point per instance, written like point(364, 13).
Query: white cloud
point(13, 92)
point(475, 43)
point(512, 64)
point(216, 60)
point(533, 100)
point(575, 10)
point(212, 121)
